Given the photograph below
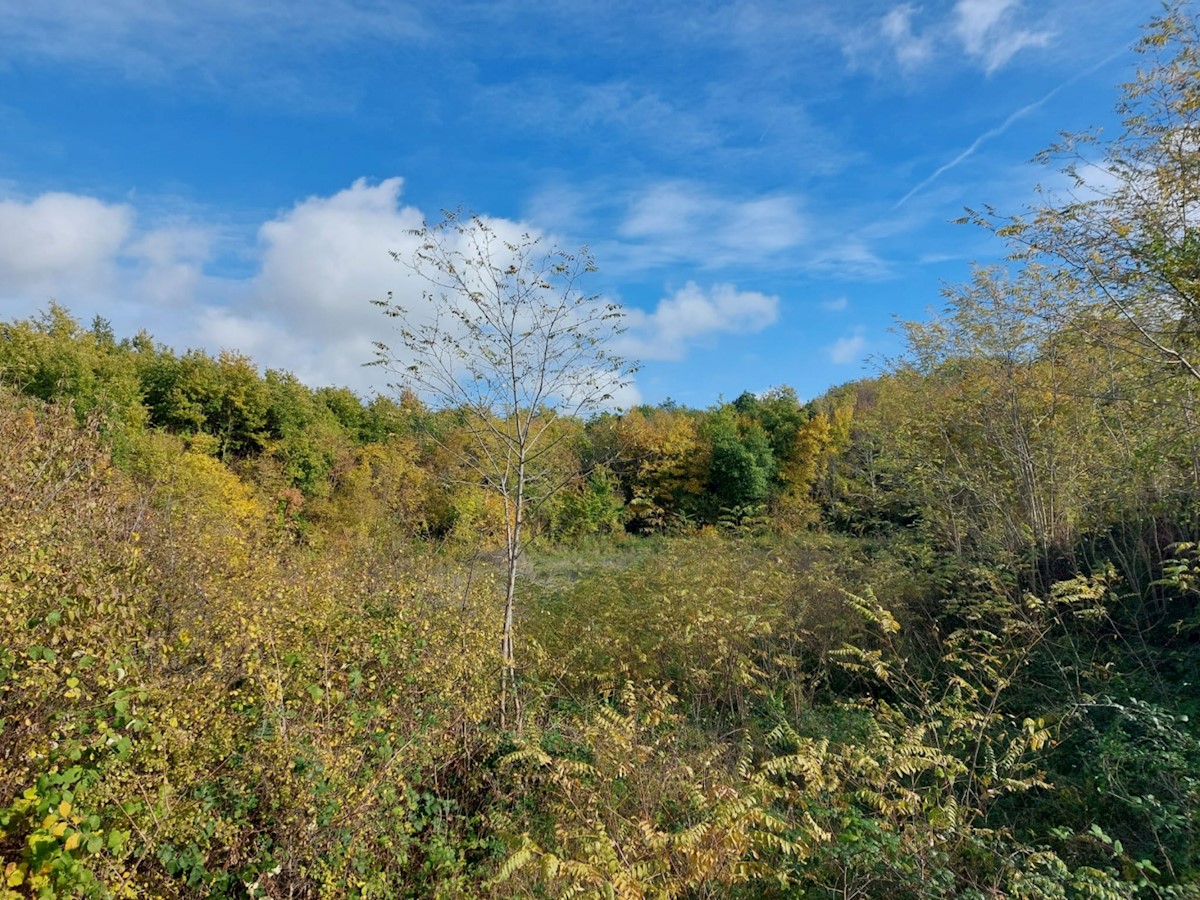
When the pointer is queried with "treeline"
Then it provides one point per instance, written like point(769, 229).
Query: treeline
point(1001, 434)
point(326, 458)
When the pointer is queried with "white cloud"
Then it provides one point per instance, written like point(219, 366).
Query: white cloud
point(933, 259)
point(677, 221)
point(692, 314)
point(987, 31)
point(975, 18)
point(680, 223)
point(623, 392)
point(910, 48)
point(59, 243)
point(327, 257)
point(172, 260)
point(626, 396)
point(847, 349)
point(835, 304)
point(93, 257)
point(306, 308)
point(849, 257)
point(152, 40)
point(1092, 181)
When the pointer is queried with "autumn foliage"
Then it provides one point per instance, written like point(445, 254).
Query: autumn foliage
point(932, 634)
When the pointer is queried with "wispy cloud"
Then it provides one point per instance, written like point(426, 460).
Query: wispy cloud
point(150, 38)
point(1000, 129)
point(835, 304)
point(911, 49)
point(692, 314)
point(261, 51)
point(849, 256)
point(671, 222)
point(988, 32)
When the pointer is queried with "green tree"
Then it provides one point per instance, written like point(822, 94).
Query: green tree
point(196, 394)
point(779, 412)
point(743, 467)
point(305, 433)
point(51, 357)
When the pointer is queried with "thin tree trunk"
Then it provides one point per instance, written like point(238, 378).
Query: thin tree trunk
point(508, 687)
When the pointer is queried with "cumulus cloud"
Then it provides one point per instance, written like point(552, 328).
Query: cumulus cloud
point(692, 314)
point(327, 257)
point(626, 396)
point(172, 262)
point(60, 242)
point(306, 307)
point(322, 263)
point(97, 258)
point(847, 349)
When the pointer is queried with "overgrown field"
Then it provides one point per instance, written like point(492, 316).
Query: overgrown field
point(194, 704)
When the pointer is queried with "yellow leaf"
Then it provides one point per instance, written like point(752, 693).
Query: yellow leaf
point(64, 809)
point(72, 841)
point(14, 874)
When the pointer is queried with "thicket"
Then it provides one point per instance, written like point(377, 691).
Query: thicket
point(933, 634)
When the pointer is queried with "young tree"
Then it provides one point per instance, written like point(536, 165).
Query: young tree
point(505, 337)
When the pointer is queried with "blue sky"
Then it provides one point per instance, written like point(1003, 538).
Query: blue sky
point(765, 185)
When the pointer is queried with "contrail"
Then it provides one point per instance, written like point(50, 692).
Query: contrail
point(1005, 125)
